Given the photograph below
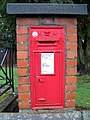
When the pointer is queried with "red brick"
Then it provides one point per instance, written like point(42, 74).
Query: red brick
point(23, 88)
point(23, 81)
point(22, 63)
point(22, 72)
point(72, 38)
point(71, 79)
point(23, 96)
point(70, 104)
point(71, 63)
point(71, 96)
point(22, 54)
point(21, 38)
point(27, 21)
point(47, 21)
point(21, 47)
point(70, 88)
point(24, 105)
point(71, 71)
point(71, 46)
point(71, 54)
point(22, 30)
point(71, 29)
point(68, 21)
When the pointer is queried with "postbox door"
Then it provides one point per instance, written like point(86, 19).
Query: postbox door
point(48, 84)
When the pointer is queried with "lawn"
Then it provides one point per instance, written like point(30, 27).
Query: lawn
point(15, 77)
point(4, 96)
point(83, 91)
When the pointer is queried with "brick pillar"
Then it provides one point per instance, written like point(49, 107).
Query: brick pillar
point(23, 57)
point(22, 64)
point(23, 61)
point(71, 66)
point(70, 25)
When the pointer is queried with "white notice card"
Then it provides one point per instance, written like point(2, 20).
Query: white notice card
point(47, 63)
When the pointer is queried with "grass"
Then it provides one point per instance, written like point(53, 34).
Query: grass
point(83, 91)
point(15, 77)
point(6, 94)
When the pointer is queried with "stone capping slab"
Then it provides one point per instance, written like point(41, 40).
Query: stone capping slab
point(47, 8)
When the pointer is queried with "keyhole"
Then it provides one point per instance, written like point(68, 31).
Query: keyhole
point(39, 80)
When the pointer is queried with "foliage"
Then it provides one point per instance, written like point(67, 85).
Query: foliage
point(82, 1)
point(61, 1)
point(7, 22)
point(88, 27)
point(53, 1)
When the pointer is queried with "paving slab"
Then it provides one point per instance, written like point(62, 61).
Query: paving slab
point(75, 115)
point(86, 115)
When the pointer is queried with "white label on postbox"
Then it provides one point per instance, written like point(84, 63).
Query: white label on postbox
point(35, 34)
point(47, 63)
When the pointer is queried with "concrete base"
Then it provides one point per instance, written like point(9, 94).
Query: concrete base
point(67, 115)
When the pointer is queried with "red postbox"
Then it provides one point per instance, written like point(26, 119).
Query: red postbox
point(47, 61)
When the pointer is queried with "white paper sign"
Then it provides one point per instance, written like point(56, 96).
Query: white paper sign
point(47, 63)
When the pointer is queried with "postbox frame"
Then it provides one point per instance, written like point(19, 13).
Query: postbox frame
point(32, 89)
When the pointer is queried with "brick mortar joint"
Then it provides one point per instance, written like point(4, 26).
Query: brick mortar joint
point(23, 59)
point(25, 85)
point(71, 34)
point(21, 34)
point(22, 93)
point(22, 43)
point(71, 100)
point(70, 92)
point(71, 59)
point(71, 75)
point(71, 51)
point(70, 85)
point(70, 43)
point(73, 66)
point(22, 51)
